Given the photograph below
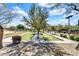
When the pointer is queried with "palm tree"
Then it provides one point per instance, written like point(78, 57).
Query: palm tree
point(37, 17)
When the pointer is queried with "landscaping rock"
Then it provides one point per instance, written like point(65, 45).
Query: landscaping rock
point(16, 39)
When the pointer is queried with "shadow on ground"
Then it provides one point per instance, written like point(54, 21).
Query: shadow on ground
point(33, 49)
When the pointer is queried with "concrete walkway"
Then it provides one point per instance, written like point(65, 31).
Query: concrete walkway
point(7, 41)
point(64, 40)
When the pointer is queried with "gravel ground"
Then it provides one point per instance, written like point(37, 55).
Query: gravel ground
point(43, 49)
point(69, 48)
point(33, 49)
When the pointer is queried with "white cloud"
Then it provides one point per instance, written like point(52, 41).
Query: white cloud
point(46, 5)
point(57, 11)
point(56, 22)
point(63, 22)
point(19, 12)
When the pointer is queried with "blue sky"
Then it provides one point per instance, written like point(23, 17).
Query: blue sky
point(56, 16)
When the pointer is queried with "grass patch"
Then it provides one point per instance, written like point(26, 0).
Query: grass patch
point(49, 37)
point(12, 34)
point(28, 36)
point(8, 35)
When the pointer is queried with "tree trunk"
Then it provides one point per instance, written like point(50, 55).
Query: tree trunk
point(38, 33)
point(43, 30)
point(1, 36)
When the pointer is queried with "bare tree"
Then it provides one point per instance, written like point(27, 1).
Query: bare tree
point(5, 17)
point(37, 17)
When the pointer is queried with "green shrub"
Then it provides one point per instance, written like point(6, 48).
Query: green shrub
point(61, 35)
point(33, 34)
point(46, 39)
point(71, 37)
point(76, 38)
point(65, 36)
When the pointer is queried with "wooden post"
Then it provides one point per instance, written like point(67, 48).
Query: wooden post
point(69, 27)
point(1, 36)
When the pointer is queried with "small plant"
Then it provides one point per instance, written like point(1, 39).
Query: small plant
point(61, 35)
point(33, 33)
point(46, 39)
point(65, 36)
point(71, 37)
point(76, 38)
